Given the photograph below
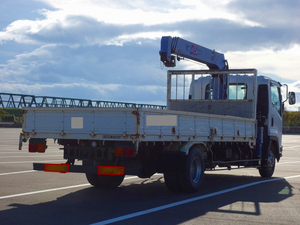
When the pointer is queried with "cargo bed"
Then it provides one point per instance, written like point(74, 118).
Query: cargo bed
point(135, 124)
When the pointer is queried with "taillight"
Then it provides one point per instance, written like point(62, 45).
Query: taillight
point(37, 145)
point(32, 148)
point(124, 151)
point(119, 151)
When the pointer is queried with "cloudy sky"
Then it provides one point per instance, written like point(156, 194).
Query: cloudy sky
point(108, 50)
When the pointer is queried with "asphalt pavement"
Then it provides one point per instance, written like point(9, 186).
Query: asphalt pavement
point(227, 197)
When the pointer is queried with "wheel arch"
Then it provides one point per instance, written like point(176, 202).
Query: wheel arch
point(189, 145)
point(173, 158)
point(274, 143)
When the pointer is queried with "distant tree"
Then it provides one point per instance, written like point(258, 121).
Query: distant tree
point(8, 118)
point(291, 119)
point(10, 115)
point(2, 114)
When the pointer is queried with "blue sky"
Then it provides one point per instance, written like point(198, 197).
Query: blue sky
point(108, 50)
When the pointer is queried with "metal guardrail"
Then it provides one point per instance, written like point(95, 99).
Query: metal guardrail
point(10, 100)
point(290, 130)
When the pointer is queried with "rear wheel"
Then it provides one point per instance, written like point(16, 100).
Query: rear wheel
point(172, 181)
point(104, 180)
point(191, 177)
point(111, 181)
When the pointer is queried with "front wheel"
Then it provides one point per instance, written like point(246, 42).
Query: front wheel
point(267, 169)
point(193, 171)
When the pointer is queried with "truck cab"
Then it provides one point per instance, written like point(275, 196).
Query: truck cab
point(269, 102)
point(270, 108)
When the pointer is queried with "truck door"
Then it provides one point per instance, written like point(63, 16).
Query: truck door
point(276, 112)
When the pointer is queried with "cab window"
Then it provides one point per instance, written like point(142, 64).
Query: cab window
point(237, 91)
point(276, 98)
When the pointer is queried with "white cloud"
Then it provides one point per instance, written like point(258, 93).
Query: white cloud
point(268, 13)
point(53, 66)
point(19, 69)
point(144, 12)
point(69, 17)
point(284, 63)
point(117, 42)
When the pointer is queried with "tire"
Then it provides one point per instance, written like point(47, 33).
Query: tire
point(172, 182)
point(92, 179)
point(191, 177)
point(105, 181)
point(267, 169)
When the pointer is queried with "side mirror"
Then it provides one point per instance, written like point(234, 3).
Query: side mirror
point(292, 98)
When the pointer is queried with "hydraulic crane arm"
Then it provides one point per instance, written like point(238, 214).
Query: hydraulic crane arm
point(171, 47)
point(182, 48)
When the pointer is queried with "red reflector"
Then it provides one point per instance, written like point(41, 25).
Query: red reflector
point(60, 168)
point(111, 170)
point(130, 152)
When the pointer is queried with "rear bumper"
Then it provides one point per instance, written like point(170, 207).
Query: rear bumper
point(109, 170)
point(72, 168)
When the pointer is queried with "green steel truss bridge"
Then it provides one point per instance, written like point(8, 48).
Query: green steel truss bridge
point(9, 100)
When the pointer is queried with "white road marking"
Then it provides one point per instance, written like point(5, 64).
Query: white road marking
point(26, 152)
point(280, 163)
point(155, 209)
point(25, 171)
point(53, 189)
point(43, 191)
point(32, 161)
point(294, 146)
point(29, 156)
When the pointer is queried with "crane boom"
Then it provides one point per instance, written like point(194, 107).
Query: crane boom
point(214, 60)
point(182, 48)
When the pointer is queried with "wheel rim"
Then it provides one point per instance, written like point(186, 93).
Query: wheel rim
point(196, 170)
point(271, 160)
